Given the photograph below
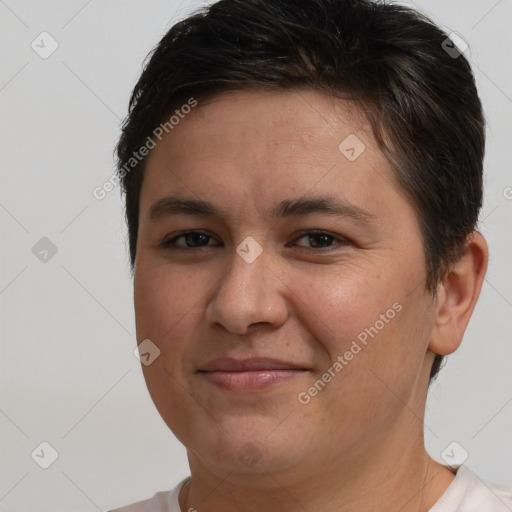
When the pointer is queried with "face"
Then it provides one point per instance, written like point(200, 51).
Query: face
point(280, 271)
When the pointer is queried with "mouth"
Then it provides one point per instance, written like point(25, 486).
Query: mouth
point(253, 374)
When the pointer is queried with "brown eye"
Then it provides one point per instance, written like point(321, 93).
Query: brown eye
point(322, 240)
point(190, 239)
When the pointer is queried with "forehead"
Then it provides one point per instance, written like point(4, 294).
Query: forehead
point(258, 146)
point(289, 120)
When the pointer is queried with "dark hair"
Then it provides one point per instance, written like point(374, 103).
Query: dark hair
point(416, 89)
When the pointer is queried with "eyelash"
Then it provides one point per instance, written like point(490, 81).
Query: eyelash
point(170, 244)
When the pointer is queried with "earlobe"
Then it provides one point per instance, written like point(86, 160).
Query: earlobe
point(457, 295)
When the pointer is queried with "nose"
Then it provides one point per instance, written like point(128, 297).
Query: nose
point(248, 293)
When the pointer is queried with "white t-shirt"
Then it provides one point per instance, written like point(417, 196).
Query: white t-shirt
point(466, 493)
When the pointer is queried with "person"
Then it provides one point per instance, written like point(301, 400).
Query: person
point(302, 184)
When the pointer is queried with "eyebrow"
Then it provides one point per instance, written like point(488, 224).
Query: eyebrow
point(335, 206)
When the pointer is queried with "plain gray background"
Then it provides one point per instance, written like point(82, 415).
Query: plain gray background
point(68, 374)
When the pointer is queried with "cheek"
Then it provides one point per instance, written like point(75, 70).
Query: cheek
point(340, 305)
point(167, 310)
point(165, 299)
point(371, 321)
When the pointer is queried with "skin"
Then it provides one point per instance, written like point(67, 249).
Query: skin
point(358, 444)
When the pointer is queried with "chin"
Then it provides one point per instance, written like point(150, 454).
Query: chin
point(249, 460)
point(249, 450)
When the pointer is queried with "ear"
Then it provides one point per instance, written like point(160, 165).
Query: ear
point(457, 295)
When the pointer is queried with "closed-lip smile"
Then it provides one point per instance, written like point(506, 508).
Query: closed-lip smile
point(230, 364)
point(252, 374)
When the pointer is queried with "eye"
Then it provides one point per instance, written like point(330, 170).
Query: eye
point(190, 239)
point(197, 239)
point(322, 239)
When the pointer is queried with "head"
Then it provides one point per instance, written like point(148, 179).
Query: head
point(270, 119)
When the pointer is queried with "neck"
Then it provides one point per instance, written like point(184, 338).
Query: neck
point(401, 477)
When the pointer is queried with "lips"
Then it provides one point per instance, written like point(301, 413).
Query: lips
point(229, 364)
point(255, 374)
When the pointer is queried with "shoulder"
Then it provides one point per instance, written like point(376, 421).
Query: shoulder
point(470, 493)
point(166, 501)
